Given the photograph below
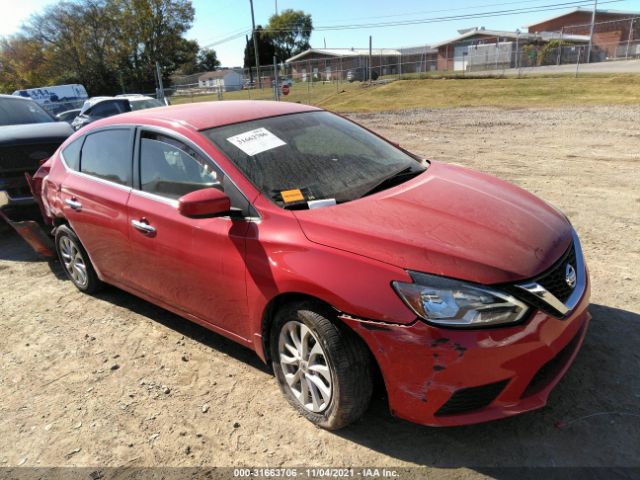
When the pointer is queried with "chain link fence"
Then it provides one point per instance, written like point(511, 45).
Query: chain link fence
point(311, 79)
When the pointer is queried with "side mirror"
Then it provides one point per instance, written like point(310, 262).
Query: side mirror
point(208, 202)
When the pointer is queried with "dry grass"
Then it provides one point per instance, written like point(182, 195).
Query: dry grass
point(548, 91)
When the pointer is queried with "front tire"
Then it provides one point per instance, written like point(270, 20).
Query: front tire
point(322, 367)
point(75, 261)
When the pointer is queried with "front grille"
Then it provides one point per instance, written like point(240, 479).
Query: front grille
point(472, 398)
point(550, 370)
point(553, 280)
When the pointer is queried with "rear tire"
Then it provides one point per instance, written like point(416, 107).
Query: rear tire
point(75, 261)
point(322, 367)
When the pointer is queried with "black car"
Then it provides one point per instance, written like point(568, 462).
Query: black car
point(28, 136)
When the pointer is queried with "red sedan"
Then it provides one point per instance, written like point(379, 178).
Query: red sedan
point(331, 252)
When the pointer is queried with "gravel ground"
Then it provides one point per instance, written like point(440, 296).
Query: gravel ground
point(111, 380)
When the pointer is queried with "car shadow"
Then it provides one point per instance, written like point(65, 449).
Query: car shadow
point(189, 329)
point(592, 417)
point(14, 248)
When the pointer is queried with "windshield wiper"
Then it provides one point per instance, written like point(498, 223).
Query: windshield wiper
point(392, 180)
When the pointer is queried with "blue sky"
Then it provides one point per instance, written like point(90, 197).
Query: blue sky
point(219, 19)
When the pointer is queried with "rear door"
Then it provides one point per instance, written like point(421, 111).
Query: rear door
point(95, 195)
point(193, 264)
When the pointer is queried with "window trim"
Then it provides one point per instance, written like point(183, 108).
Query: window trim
point(136, 187)
point(84, 137)
point(80, 139)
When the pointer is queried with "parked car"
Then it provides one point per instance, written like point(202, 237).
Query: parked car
point(331, 252)
point(141, 102)
point(102, 107)
point(68, 116)
point(28, 136)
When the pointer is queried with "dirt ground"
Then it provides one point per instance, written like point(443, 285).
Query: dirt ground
point(112, 380)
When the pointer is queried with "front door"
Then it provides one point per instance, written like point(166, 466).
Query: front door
point(194, 264)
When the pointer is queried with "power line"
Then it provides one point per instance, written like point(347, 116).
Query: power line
point(243, 31)
point(229, 38)
point(406, 14)
point(427, 20)
point(497, 13)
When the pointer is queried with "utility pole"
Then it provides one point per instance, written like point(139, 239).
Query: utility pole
point(160, 87)
point(276, 7)
point(560, 47)
point(255, 44)
point(517, 62)
point(593, 24)
point(370, 57)
point(276, 89)
point(626, 55)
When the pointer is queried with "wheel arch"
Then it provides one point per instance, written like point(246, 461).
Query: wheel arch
point(283, 299)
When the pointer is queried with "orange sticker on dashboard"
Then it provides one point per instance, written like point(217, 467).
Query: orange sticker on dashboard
point(292, 196)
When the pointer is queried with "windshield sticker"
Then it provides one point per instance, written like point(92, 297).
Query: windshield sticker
point(325, 202)
point(289, 196)
point(256, 141)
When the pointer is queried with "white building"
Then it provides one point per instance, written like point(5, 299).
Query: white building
point(224, 80)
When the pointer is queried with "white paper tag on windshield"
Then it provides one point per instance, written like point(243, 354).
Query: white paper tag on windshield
point(256, 141)
point(325, 202)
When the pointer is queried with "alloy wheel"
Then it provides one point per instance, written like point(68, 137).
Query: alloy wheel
point(73, 262)
point(305, 366)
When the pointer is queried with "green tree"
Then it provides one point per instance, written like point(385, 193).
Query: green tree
point(207, 60)
point(152, 31)
point(266, 49)
point(106, 45)
point(80, 42)
point(290, 32)
point(21, 63)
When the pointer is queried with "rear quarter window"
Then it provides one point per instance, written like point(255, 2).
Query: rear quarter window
point(71, 154)
point(108, 155)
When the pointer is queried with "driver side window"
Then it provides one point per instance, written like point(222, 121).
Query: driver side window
point(171, 169)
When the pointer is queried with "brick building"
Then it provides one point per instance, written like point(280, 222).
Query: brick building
point(614, 30)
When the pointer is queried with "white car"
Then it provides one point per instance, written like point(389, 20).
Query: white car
point(102, 107)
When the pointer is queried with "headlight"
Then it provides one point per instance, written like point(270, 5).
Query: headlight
point(453, 303)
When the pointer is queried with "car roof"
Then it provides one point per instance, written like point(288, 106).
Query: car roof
point(134, 97)
point(20, 97)
point(204, 115)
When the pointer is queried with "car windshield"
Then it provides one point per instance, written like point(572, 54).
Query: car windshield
point(19, 112)
point(142, 104)
point(299, 158)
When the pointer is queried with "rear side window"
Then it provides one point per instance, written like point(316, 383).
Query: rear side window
point(171, 169)
point(71, 154)
point(109, 108)
point(108, 155)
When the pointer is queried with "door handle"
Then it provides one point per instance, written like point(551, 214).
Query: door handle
point(143, 226)
point(74, 204)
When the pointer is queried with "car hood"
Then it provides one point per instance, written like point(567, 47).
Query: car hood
point(448, 221)
point(12, 135)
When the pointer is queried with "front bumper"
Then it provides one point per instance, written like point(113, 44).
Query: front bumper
point(446, 377)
